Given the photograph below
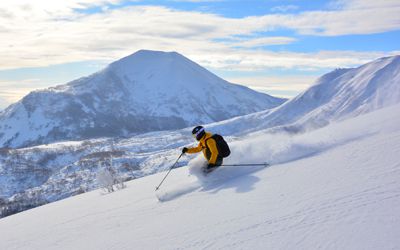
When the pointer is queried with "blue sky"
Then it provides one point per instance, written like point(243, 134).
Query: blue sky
point(278, 47)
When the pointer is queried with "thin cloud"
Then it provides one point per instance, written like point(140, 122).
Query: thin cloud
point(263, 41)
point(284, 8)
point(282, 83)
point(346, 17)
point(257, 60)
point(286, 86)
point(13, 93)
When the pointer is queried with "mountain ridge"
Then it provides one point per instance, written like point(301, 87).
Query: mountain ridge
point(337, 95)
point(146, 91)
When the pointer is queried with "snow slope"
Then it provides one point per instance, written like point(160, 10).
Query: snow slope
point(333, 188)
point(338, 95)
point(146, 91)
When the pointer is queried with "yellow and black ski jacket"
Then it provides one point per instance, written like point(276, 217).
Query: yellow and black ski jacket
point(208, 146)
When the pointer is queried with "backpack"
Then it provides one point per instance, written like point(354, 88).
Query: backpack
point(222, 146)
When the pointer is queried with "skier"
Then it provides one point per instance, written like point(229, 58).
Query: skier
point(207, 144)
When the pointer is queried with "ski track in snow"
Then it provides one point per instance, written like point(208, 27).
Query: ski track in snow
point(198, 181)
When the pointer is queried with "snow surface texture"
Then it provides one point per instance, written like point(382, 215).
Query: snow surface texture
point(146, 91)
point(42, 174)
point(333, 188)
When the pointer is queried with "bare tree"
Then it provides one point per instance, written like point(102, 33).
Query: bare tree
point(106, 180)
point(107, 177)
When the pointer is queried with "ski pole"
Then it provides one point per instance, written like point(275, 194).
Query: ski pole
point(159, 185)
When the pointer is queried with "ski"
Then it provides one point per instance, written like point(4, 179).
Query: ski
point(207, 171)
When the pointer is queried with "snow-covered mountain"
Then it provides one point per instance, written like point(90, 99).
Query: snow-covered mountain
point(333, 188)
point(146, 91)
point(45, 173)
point(338, 95)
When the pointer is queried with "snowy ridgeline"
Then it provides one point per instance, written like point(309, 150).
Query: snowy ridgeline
point(146, 91)
point(338, 95)
point(42, 174)
point(331, 188)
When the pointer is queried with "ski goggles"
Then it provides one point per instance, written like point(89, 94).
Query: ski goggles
point(198, 133)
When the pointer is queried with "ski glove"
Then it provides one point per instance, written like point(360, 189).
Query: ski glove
point(184, 150)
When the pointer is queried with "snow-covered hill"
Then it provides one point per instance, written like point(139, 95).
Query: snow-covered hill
point(333, 188)
point(146, 91)
point(338, 95)
point(46, 173)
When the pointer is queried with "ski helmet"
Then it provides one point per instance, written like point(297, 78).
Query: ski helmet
point(198, 132)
